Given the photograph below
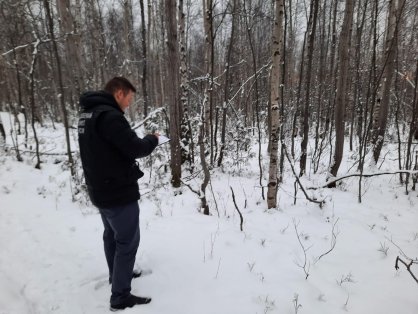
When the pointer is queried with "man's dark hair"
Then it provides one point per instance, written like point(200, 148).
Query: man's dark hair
point(118, 83)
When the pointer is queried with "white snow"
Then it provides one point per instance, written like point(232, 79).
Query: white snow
point(52, 258)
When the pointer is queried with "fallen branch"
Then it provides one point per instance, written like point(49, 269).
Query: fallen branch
point(298, 181)
point(190, 187)
point(366, 175)
point(40, 153)
point(407, 265)
point(398, 259)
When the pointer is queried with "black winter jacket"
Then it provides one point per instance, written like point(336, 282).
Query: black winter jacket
point(108, 149)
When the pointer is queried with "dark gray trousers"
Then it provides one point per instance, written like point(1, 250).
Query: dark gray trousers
point(121, 241)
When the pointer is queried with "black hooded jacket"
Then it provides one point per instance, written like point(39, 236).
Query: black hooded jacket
point(108, 149)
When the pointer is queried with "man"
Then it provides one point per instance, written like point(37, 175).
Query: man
point(108, 149)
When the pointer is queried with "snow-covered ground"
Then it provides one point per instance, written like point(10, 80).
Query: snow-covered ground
point(52, 259)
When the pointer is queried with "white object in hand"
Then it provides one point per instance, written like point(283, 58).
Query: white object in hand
point(163, 139)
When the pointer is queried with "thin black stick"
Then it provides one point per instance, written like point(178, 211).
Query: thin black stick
point(407, 265)
point(363, 175)
point(333, 241)
point(236, 207)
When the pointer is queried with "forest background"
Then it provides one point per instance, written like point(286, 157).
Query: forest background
point(297, 86)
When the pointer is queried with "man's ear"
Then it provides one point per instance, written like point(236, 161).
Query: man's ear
point(118, 95)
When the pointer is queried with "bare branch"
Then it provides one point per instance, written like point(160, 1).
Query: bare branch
point(236, 207)
point(298, 181)
point(407, 265)
point(305, 265)
point(36, 43)
point(334, 235)
point(367, 175)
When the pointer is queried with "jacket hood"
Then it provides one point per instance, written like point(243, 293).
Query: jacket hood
point(89, 100)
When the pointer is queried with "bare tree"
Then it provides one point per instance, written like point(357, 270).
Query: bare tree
point(391, 41)
point(342, 85)
point(227, 84)
point(61, 95)
point(173, 91)
point(311, 31)
point(209, 70)
point(187, 145)
point(275, 103)
point(72, 46)
point(144, 59)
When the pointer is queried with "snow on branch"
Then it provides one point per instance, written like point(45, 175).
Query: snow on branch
point(406, 78)
point(151, 115)
point(37, 42)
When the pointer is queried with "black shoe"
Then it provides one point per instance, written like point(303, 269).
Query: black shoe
point(135, 274)
point(131, 301)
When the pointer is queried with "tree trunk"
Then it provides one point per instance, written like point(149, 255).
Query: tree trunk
point(311, 39)
point(144, 59)
point(72, 45)
point(187, 147)
point(389, 67)
point(276, 76)
point(257, 100)
point(173, 91)
point(413, 126)
point(342, 85)
point(209, 67)
point(61, 85)
point(32, 102)
point(227, 84)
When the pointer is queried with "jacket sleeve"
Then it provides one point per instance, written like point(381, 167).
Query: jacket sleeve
point(116, 130)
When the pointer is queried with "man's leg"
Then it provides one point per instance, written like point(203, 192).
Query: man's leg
point(109, 244)
point(124, 221)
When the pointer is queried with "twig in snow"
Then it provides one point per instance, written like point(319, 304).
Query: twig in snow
point(345, 278)
point(217, 271)
point(214, 198)
point(401, 251)
point(346, 303)
point(407, 265)
point(305, 265)
point(296, 303)
point(383, 248)
point(334, 235)
point(190, 187)
point(236, 207)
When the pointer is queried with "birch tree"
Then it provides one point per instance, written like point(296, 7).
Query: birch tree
point(275, 103)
